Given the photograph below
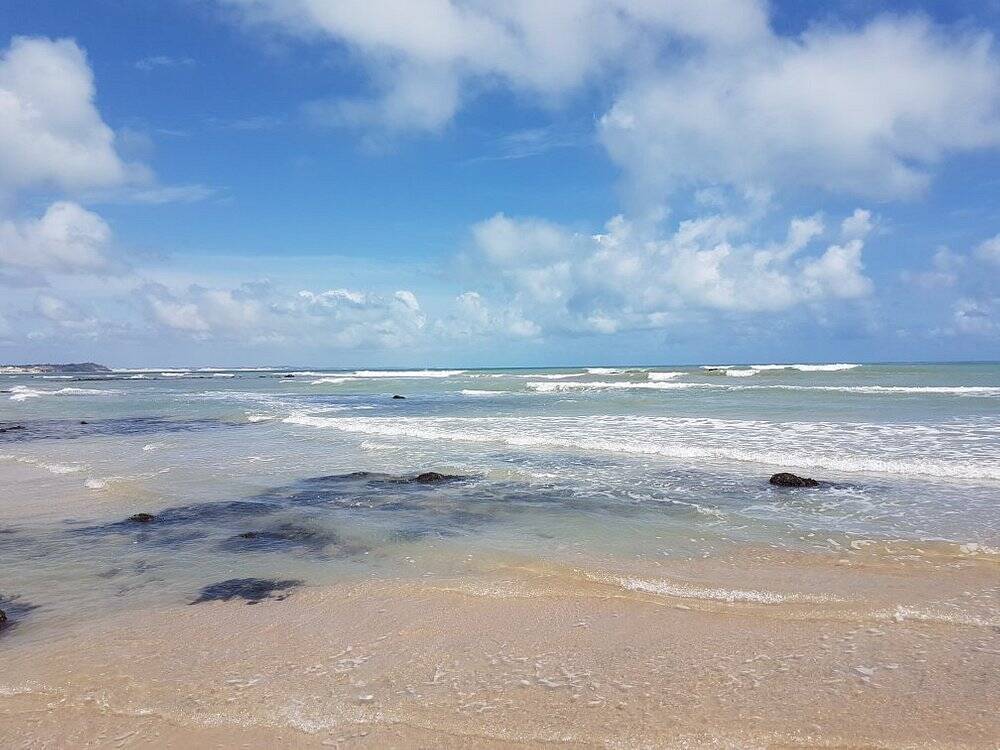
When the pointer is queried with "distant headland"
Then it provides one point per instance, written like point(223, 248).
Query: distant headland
point(47, 369)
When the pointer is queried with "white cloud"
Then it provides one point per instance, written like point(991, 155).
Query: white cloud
point(423, 55)
point(67, 239)
point(51, 133)
point(946, 267)
point(866, 111)
point(163, 61)
point(707, 93)
point(342, 318)
point(989, 250)
point(65, 315)
point(977, 316)
point(352, 319)
point(629, 278)
point(473, 317)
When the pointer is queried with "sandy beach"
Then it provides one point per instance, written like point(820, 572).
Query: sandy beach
point(515, 655)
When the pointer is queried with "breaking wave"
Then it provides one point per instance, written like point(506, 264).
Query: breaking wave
point(23, 393)
point(953, 451)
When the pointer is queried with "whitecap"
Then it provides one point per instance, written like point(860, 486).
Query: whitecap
point(406, 373)
point(614, 385)
point(23, 393)
point(835, 367)
point(661, 376)
point(945, 452)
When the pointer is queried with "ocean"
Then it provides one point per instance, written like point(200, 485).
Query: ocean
point(642, 484)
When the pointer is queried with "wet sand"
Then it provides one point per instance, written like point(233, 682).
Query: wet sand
point(866, 649)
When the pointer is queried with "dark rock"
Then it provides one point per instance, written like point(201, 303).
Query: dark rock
point(251, 590)
point(784, 479)
point(84, 421)
point(142, 518)
point(398, 397)
point(293, 536)
point(430, 477)
point(12, 609)
point(288, 376)
point(12, 428)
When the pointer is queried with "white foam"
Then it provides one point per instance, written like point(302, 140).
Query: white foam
point(661, 376)
point(728, 596)
point(954, 390)
point(904, 613)
point(329, 381)
point(612, 370)
point(543, 375)
point(835, 367)
point(223, 375)
point(481, 392)
point(52, 468)
point(406, 373)
point(740, 373)
point(614, 385)
point(927, 390)
point(23, 393)
point(955, 451)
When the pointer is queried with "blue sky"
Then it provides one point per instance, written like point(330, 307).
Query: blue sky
point(453, 182)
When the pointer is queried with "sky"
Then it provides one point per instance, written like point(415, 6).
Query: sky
point(470, 183)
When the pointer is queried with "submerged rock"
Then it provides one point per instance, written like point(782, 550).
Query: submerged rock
point(398, 397)
point(785, 479)
point(291, 536)
point(11, 428)
point(12, 609)
point(142, 518)
point(252, 590)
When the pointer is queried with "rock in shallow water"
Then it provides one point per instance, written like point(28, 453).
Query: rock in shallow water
point(252, 590)
point(785, 479)
point(142, 518)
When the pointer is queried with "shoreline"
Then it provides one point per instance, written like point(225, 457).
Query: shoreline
point(526, 654)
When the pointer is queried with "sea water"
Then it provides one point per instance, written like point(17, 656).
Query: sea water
point(307, 475)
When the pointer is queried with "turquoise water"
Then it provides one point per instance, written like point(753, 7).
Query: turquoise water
point(610, 467)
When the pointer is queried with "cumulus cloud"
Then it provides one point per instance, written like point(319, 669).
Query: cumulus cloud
point(342, 318)
point(708, 92)
point(989, 250)
point(866, 111)
point(423, 56)
point(67, 238)
point(977, 316)
point(51, 133)
point(945, 270)
point(473, 317)
point(629, 277)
